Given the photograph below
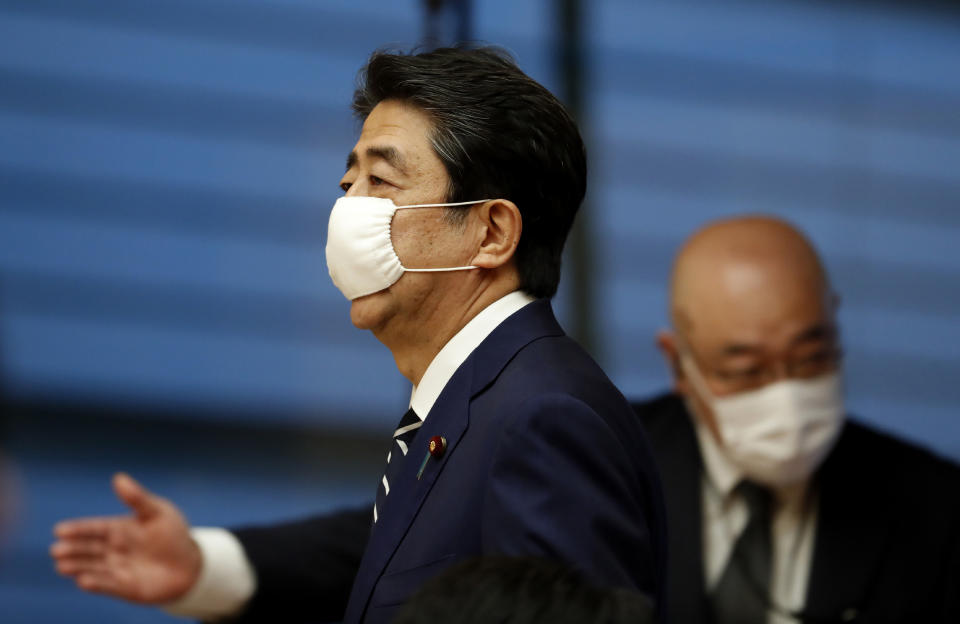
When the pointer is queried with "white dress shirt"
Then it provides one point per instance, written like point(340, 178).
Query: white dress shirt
point(725, 516)
point(227, 579)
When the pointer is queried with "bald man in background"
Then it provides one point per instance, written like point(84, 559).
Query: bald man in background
point(780, 508)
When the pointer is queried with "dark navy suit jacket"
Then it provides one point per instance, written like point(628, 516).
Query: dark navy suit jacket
point(544, 457)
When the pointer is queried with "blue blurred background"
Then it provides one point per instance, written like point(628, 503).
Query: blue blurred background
point(167, 168)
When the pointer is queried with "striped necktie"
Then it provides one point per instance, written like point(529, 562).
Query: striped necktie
point(402, 437)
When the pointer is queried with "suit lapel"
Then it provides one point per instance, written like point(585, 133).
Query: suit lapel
point(853, 529)
point(448, 417)
point(678, 456)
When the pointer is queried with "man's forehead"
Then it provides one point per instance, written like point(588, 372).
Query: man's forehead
point(392, 120)
point(395, 133)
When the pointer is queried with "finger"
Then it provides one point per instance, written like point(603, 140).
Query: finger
point(78, 548)
point(74, 566)
point(84, 527)
point(136, 497)
point(99, 583)
point(80, 566)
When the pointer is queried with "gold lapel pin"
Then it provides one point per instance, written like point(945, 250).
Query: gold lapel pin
point(436, 448)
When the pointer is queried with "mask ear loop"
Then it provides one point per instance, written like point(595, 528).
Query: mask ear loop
point(448, 205)
point(699, 383)
point(690, 368)
point(442, 270)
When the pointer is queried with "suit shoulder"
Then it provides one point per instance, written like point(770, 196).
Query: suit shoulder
point(662, 410)
point(885, 458)
point(866, 440)
point(557, 364)
point(554, 376)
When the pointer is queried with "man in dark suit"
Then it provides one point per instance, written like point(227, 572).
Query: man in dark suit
point(780, 509)
point(458, 198)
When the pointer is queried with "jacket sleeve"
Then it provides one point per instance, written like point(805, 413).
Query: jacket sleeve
point(305, 569)
point(564, 485)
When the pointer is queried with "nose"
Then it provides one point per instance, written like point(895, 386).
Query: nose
point(356, 189)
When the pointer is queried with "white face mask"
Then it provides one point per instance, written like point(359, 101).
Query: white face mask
point(780, 433)
point(360, 254)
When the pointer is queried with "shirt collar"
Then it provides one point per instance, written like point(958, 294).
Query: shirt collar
point(720, 471)
point(458, 348)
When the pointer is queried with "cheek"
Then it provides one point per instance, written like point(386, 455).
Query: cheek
point(414, 238)
point(702, 411)
point(403, 235)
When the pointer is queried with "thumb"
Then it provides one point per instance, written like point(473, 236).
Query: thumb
point(135, 496)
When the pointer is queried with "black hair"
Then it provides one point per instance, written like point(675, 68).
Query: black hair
point(499, 134)
point(520, 590)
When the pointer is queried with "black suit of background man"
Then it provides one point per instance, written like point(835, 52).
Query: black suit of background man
point(887, 545)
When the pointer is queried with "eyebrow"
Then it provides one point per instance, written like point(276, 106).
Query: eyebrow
point(820, 331)
point(390, 155)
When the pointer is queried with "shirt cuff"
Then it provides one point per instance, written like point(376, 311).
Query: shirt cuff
point(227, 579)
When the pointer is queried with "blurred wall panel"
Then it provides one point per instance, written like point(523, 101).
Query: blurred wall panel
point(167, 171)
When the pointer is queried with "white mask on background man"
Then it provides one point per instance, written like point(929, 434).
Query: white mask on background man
point(360, 254)
point(780, 433)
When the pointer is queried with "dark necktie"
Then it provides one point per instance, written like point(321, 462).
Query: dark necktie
point(743, 592)
point(402, 437)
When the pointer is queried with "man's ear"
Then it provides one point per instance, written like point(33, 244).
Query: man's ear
point(500, 227)
point(667, 343)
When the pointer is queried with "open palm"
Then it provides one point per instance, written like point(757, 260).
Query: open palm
point(146, 557)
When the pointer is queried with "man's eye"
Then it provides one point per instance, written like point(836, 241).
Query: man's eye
point(815, 361)
point(375, 181)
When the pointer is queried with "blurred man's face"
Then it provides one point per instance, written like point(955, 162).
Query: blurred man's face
point(759, 328)
point(394, 159)
point(748, 324)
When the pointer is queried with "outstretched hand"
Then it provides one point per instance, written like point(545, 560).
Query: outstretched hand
point(146, 557)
